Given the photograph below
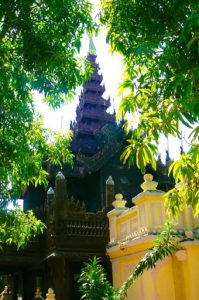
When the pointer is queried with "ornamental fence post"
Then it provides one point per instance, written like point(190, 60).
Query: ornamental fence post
point(50, 295)
point(38, 295)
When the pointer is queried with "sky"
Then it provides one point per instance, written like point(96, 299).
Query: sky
point(111, 68)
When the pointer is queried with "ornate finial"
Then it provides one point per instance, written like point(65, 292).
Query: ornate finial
point(60, 176)
point(119, 196)
point(50, 295)
point(92, 49)
point(50, 191)
point(38, 294)
point(119, 201)
point(149, 184)
point(110, 181)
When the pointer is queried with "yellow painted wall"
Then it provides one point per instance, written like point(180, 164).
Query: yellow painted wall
point(132, 232)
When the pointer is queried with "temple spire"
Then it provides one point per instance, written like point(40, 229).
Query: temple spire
point(167, 152)
point(92, 49)
point(181, 146)
point(91, 112)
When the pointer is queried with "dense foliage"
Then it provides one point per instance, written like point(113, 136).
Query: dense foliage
point(93, 282)
point(160, 44)
point(39, 42)
point(18, 227)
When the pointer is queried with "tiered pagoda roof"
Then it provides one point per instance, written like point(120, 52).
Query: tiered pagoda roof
point(91, 113)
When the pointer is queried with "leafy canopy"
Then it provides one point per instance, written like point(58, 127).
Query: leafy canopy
point(18, 227)
point(39, 42)
point(160, 43)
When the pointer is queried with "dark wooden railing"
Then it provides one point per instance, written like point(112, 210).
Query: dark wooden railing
point(84, 228)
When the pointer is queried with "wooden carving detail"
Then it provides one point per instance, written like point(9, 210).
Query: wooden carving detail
point(67, 217)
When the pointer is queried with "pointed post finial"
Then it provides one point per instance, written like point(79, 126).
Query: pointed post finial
point(119, 202)
point(60, 176)
point(92, 49)
point(50, 191)
point(149, 184)
point(38, 294)
point(50, 295)
point(110, 181)
point(110, 191)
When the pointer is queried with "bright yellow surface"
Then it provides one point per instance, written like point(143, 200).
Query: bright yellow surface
point(133, 230)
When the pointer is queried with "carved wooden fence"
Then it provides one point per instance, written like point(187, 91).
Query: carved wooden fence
point(84, 228)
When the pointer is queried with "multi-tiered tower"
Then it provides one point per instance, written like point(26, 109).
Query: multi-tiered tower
point(91, 112)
